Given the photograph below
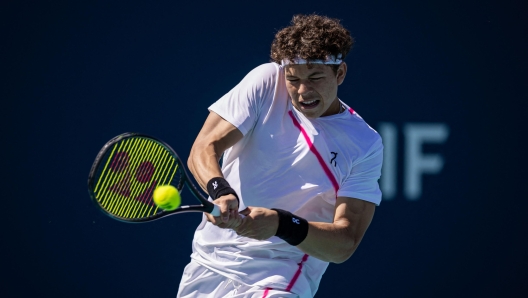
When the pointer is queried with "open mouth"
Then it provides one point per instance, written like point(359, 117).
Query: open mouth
point(310, 103)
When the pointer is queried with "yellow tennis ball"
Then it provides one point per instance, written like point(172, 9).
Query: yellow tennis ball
point(167, 197)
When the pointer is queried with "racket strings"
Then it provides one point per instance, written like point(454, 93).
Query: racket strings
point(129, 187)
point(140, 189)
point(119, 163)
point(142, 193)
point(132, 171)
point(119, 190)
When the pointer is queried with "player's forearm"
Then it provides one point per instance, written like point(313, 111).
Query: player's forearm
point(336, 242)
point(215, 137)
point(203, 163)
point(331, 242)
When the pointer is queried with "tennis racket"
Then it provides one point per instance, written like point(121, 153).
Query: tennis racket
point(126, 172)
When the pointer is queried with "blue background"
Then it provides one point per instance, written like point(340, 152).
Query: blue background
point(75, 74)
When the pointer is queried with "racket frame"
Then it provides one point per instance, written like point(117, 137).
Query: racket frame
point(205, 206)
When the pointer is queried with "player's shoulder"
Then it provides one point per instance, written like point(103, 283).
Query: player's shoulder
point(361, 132)
point(265, 71)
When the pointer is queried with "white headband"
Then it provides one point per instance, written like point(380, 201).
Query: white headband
point(330, 59)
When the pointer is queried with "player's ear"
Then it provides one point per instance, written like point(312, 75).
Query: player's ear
point(341, 73)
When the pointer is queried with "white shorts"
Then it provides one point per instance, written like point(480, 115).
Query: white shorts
point(200, 282)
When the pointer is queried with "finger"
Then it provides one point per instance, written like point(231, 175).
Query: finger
point(234, 220)
point(210, 218)
point(233, 207)
point(246, 211)
point(224, 212)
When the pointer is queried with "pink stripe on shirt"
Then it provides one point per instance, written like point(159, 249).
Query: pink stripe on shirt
point(316, 153)
point(296, 276)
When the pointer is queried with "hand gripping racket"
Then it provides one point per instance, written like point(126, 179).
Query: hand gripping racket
point(126, 172)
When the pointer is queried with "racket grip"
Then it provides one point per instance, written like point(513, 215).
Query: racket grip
point(216, 210)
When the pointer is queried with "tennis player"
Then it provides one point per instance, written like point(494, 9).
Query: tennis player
point(298, 185)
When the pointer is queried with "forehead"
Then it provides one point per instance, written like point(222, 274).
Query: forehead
point(306, 69)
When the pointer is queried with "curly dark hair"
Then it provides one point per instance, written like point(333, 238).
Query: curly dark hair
point(311, 37)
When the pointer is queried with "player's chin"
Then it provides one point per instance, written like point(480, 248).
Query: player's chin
point(311, 113)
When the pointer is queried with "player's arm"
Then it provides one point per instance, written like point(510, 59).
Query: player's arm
point(352, 217)
point(214, 138)
point(332, 242)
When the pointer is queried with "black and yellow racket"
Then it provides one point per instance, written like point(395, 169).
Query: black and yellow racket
point(126, 172)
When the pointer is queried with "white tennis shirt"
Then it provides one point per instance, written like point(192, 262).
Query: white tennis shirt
point(273, 166)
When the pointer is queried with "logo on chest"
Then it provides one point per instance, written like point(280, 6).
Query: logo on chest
point(333, 160)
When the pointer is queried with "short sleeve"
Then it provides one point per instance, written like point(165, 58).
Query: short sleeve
point(362, 183)
point(242, 105)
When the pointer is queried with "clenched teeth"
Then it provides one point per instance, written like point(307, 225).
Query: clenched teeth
point(308, 102)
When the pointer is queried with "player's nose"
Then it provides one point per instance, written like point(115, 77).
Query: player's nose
point(304, 88)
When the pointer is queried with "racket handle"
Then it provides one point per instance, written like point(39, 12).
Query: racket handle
point(216, 210)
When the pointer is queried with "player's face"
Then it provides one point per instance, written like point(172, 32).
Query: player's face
point(313, 90)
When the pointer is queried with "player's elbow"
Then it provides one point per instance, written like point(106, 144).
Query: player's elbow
point(197, 154)
point(346, 247)
point(344, 253)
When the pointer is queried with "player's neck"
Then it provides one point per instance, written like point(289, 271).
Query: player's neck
point(335, 108)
